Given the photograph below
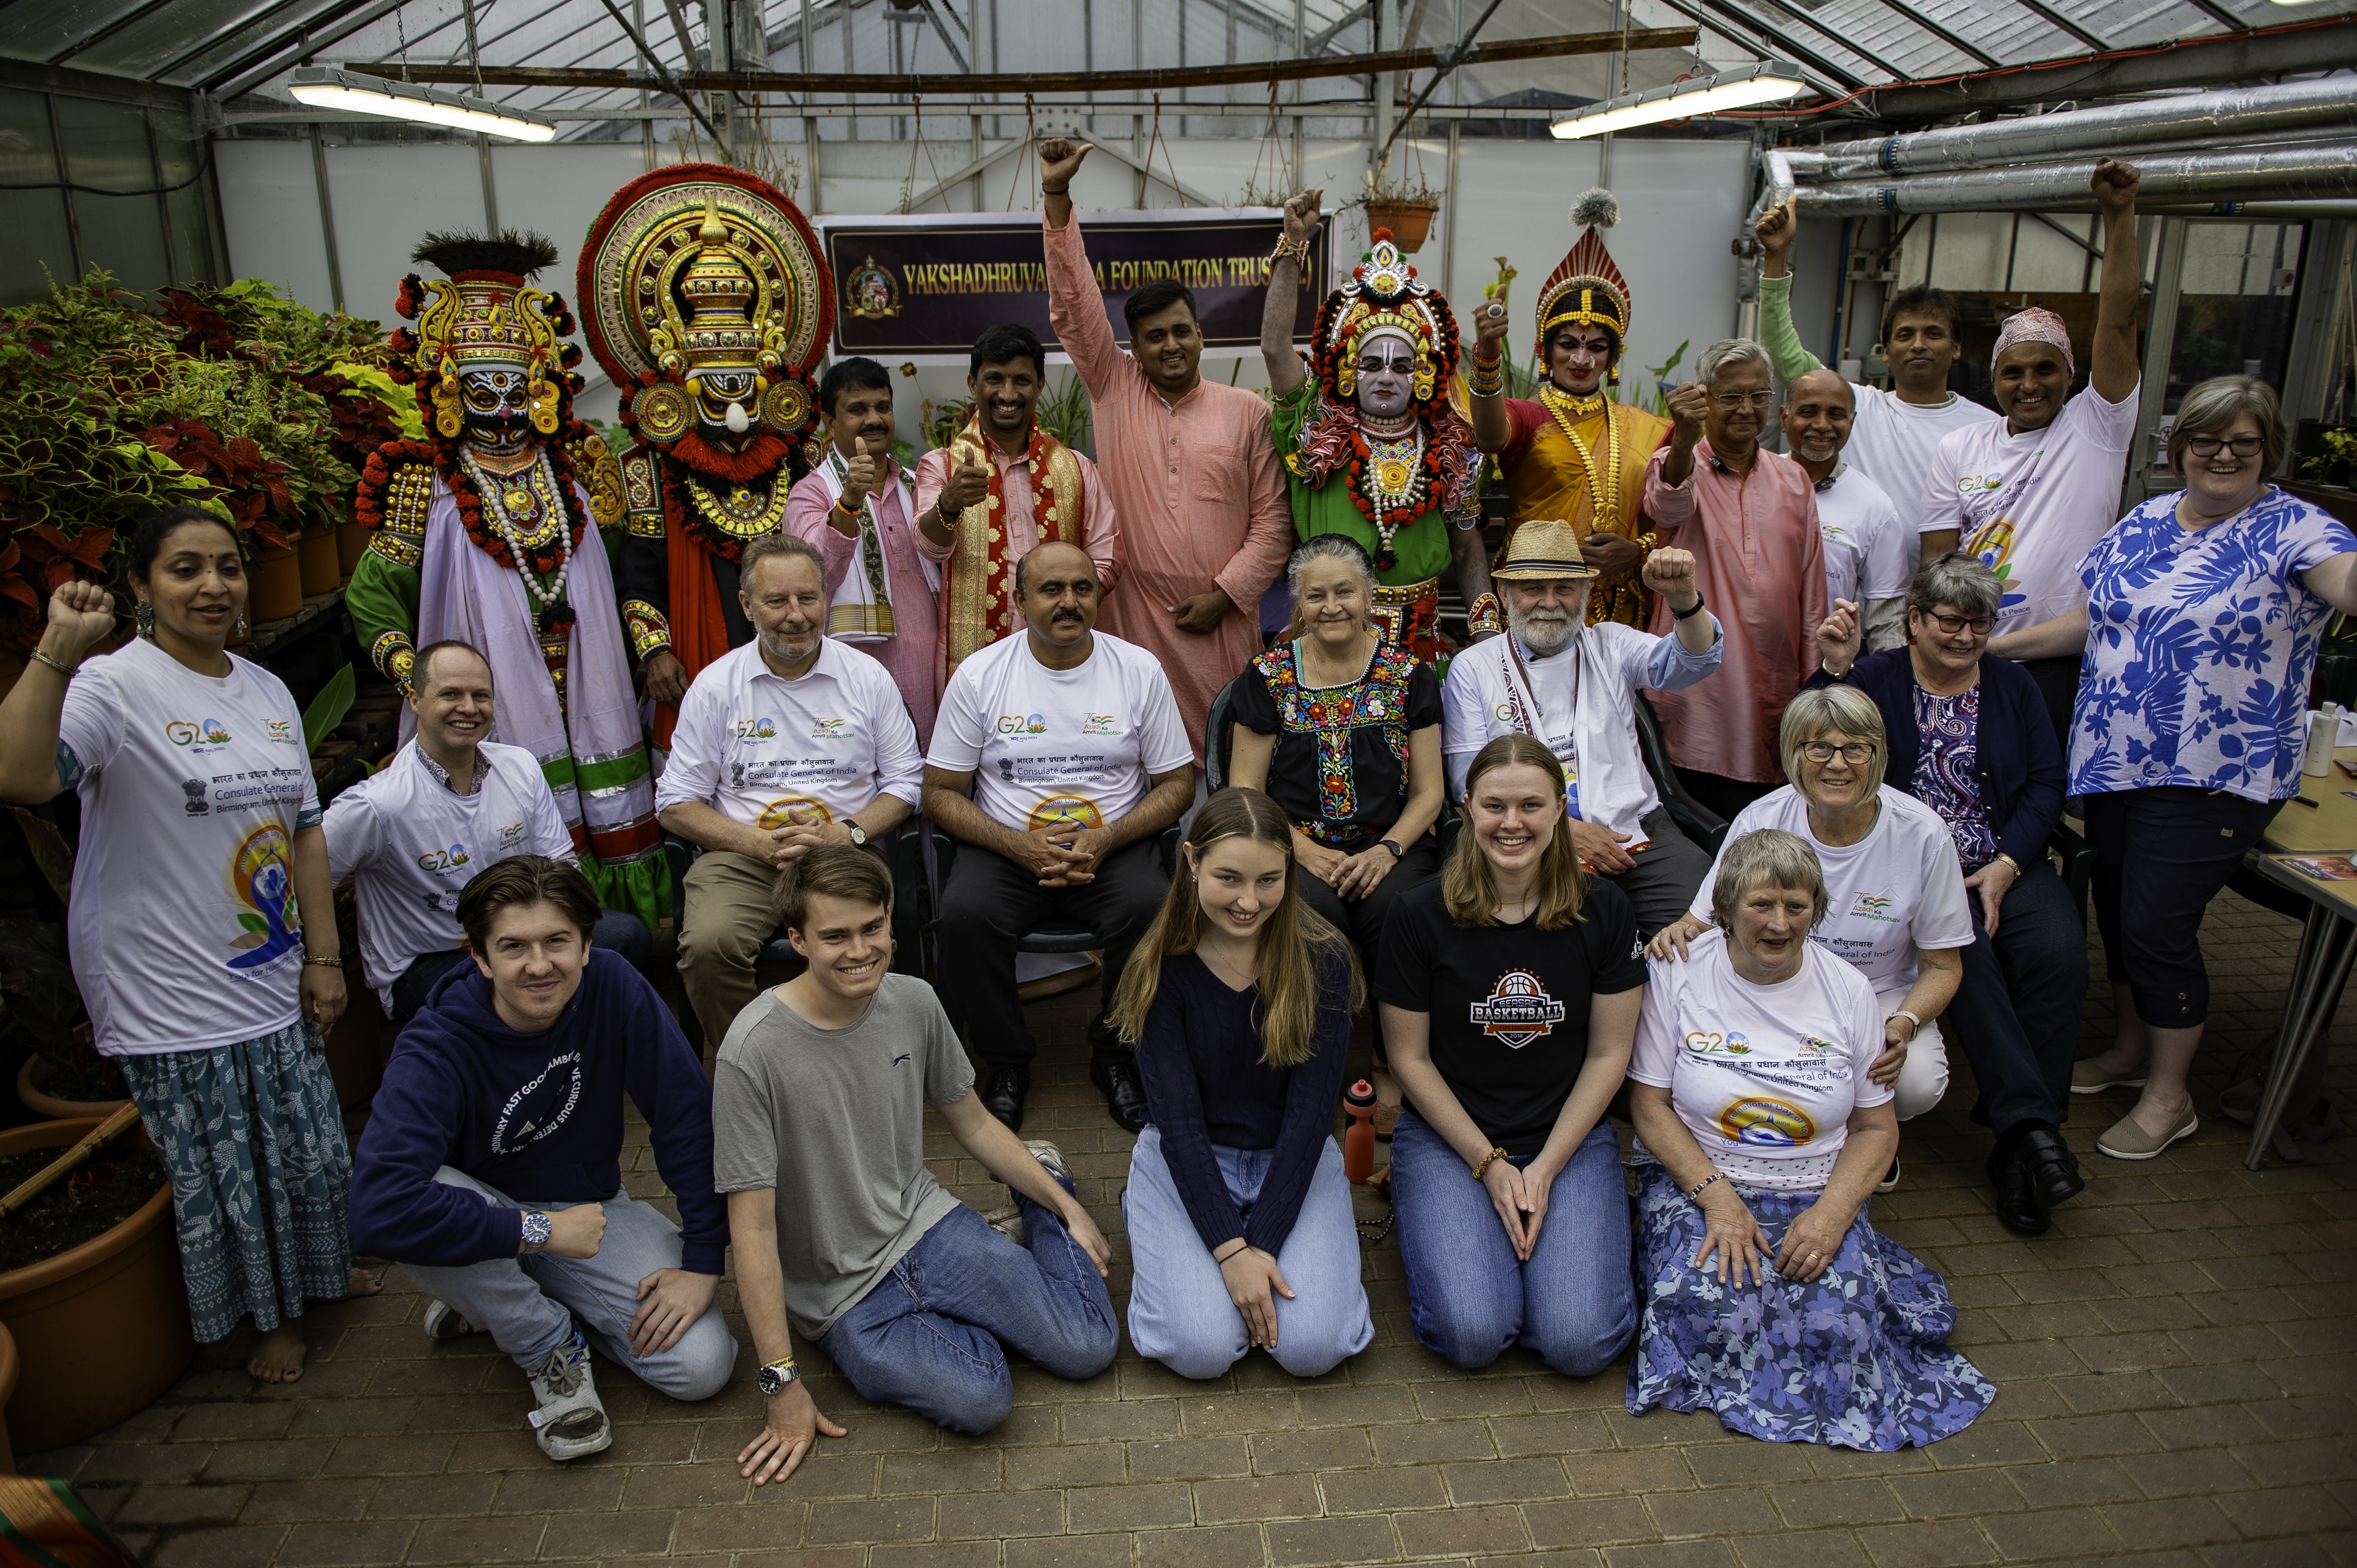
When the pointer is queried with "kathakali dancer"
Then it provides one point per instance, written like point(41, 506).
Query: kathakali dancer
point(1372, 450)
point(1577, 452)
point(487, 531)
point(705, 296)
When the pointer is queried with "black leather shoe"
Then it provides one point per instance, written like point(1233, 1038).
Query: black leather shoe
point(2020, 1205)
point(2051, 1166)
point(1004, 1096)
point(1125, 1095)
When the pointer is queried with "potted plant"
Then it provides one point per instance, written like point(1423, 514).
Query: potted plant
point(1404, 205)
point(63, 1075)
point(89, 1285)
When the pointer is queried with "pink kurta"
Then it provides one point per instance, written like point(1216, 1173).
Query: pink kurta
point(908, 651)
point(1098, 528)
point(1198, 487)
point(1760, 563)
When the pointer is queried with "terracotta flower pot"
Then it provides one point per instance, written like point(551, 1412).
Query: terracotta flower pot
point(317, 556)
point(29, 1095)
point(1409, 222)
point(101, 1329)
point(276, 585)
point(351, 543)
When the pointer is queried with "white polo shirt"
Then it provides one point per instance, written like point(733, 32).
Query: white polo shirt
point(1047, 745)
point(411, 844)
point(757, 748)
point(1865, 547)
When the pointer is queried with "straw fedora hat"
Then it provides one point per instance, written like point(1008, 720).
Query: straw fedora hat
point(1543, 548)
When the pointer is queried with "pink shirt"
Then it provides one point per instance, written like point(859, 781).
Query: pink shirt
point(1098, 528)
point(907, 653)
point(1198, 486)
point(1760, 563)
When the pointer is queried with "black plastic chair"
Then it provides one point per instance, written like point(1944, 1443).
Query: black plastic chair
point(1219, 732)
point(2078, 857)
point(1696, 820)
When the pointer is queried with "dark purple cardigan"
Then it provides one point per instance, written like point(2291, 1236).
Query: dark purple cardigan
point(2019, 765)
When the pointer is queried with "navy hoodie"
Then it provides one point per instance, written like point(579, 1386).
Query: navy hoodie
point(536, 1116)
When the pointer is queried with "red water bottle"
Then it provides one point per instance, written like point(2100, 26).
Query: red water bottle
point(1358, 1143)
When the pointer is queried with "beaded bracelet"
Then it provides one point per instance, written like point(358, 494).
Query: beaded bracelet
point(1492, 1158)
point(1487, 378)
point(1297, 249)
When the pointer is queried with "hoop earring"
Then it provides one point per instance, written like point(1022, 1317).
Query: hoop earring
point(145, 619)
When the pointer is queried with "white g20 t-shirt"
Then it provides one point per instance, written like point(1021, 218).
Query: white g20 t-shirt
point(758, 748)
point(1865, 548)
point(1763, 1076)
point(412, 845)
point(183, 926)
point(2032, 506)
point(1899, 889)
point(1893, 442)
point(1051, 747)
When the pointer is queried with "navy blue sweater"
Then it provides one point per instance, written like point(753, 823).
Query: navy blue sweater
point(2019, 764)
point(538, 1117)
point(1205, 1085)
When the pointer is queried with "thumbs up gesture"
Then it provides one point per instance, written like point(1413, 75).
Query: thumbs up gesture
point(969, 484)
point(859, 473)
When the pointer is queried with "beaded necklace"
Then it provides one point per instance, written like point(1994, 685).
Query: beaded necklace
point(1603, 488)
point(531, 494)
point(1388, 482)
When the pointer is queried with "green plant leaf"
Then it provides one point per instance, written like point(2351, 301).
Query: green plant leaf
point(329, 708)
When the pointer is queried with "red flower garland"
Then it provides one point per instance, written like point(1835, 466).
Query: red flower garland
point(1420, 499)
point(368, 501)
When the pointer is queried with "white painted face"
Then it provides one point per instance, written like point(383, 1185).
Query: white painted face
point(1386, 374)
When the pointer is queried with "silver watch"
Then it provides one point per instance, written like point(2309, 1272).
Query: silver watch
point(858, 834)
point(774, 1377)
point(537, 1228)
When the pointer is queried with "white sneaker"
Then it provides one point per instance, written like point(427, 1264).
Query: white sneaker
point(1007, 1218)
point(569, 1422)
point(444, 1323)
point(1048, 1155)
point(1889, 1182)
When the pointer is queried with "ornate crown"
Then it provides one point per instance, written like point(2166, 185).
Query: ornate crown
point(1384, 299)
point(486, 314)
point(1586, 288)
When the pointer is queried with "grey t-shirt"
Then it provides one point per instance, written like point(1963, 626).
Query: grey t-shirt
point(834, 1120)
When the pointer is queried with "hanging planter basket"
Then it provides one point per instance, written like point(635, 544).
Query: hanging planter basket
point(1409, 222)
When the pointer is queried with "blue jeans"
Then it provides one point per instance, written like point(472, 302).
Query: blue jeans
point(1180, 1313)
point(1469, 1297)
point(928, 1334)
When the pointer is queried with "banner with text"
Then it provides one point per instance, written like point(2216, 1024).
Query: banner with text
point(928, 284)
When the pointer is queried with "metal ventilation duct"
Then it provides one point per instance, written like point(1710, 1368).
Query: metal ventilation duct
point(2326, 105)
point(2264, 173)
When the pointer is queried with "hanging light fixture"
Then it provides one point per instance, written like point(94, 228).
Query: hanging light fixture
point(1769, 81)
point(324, 87)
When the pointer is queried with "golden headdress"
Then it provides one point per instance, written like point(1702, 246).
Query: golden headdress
point(1383, 298)
point(485, 315)
point(1586, 288)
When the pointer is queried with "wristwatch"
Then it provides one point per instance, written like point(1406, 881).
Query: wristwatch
point(537, 1228)
point(774, 1377)
point(858, 834)
point(1912, 1019)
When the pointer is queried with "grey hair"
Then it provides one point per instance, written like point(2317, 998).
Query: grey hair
point(1332, 547)
point(791, 545)
point(2211, 407)
point(1958, 578)
point(1767, 857)
point(1819, 711)
point(1729, 351)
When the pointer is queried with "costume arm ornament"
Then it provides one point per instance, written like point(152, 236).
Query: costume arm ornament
point(648, 628)
point(600, 475)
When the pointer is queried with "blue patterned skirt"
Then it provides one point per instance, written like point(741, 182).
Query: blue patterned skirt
point(253, 1138)
point(1856, 1358)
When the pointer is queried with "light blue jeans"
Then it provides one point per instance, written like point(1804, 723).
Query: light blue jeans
point(1180, 1313)
point(929, 1335)
point(528, 1303)
point(1469, 1297)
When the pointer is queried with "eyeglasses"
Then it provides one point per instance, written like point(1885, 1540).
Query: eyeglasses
point(2244, 445)
point(1856, 753)
point(1742, 400)
point(1980, 626)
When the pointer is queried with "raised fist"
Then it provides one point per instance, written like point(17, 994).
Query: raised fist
point(1778, 227)
point(1690, 406)
point(83, 612)
point(1301, 213)
point(1838, 639)
point(1489, 323)
point(1059, 160)
point(2115, 184)
point(1671, 574)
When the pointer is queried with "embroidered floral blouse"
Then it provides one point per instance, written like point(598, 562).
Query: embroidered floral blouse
point(1339, 767)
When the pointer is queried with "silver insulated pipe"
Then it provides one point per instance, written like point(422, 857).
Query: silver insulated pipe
point(2323, 107)
point(2259, 174)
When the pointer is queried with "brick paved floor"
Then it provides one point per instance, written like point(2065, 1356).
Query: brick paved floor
point(2175, 1360)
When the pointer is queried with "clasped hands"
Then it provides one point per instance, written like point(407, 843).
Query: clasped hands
point(1519, 1193)
point(802, 832)
point(1733, 1238)
point(1350, 875)
point(1060, 856)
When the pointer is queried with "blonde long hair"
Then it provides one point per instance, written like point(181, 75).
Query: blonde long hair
point(1297, 948)
point(1470, 891)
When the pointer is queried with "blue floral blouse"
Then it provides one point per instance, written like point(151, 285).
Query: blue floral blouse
point(2199, 646)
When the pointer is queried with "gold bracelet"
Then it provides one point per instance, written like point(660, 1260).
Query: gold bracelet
point(59, 665)
point(325, 962)
point(2010, 860)
point(1492, 1157)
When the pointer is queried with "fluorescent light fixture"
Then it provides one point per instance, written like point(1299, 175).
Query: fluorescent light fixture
point(323, 87)
point(1768, 81)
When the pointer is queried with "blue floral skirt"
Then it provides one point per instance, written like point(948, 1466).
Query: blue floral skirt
point(252, 1137)
point(1856, 1358)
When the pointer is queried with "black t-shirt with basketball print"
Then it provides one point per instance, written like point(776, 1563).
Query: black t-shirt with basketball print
point(1509, 1003)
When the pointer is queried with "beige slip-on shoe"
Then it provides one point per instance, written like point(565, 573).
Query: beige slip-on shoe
point(2126, 1141)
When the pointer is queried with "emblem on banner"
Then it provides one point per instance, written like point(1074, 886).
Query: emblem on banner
point(870, 292)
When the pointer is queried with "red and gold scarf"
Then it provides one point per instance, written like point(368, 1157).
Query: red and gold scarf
point(978, 587)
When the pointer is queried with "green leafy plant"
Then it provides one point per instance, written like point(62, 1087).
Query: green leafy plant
point(329, 708)
point(2339, 447)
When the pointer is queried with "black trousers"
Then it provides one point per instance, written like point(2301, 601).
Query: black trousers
point(1362, 920)
point(1726, 795)
point(989, 904)
point(1660, 886)
point(2161, 855)
point(2016, 1015)
point(2058, 682)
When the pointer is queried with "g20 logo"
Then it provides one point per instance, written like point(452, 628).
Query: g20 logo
point(1022, 723)
point(441, 861)
point(763, 728)
point(181, 732)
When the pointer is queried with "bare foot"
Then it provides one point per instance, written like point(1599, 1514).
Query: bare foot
point(278, 1358)
point(362, 1284)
